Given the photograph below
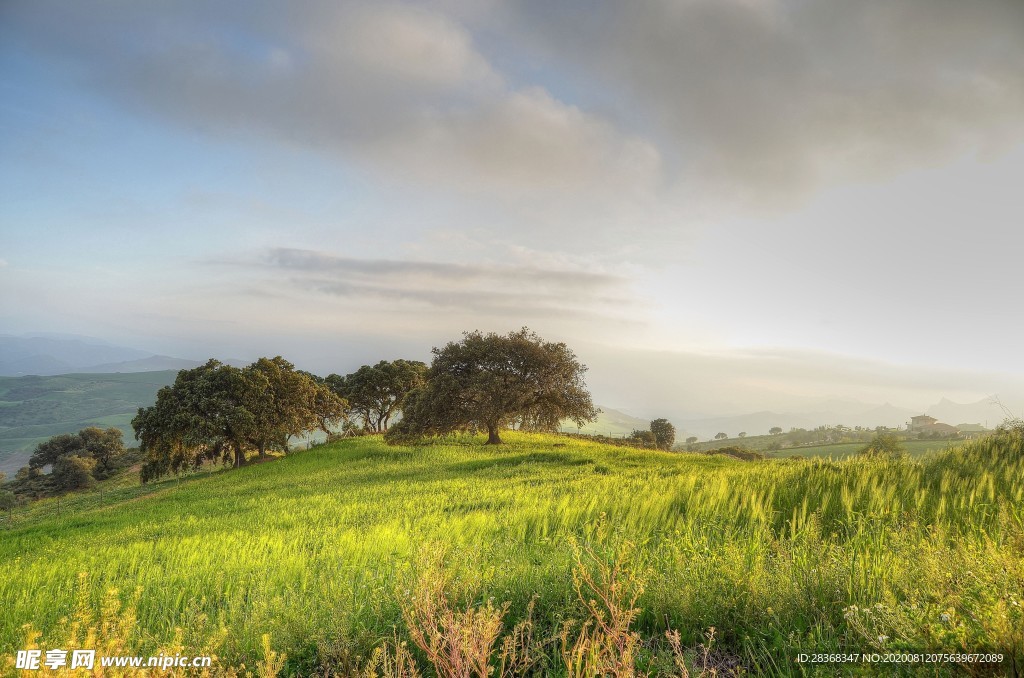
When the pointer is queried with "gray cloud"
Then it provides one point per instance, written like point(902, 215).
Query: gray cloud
point(598, 109)
point(767, 99)
point(399, 86)
point(494, 290)
point(310, 261)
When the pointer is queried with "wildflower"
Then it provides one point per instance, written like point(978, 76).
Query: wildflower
point(945, 617)
point(882, 639)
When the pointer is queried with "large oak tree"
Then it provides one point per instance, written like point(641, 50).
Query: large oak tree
point(488, 381)
point(217, 411)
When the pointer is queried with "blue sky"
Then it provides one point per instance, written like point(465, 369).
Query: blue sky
point(740, 180)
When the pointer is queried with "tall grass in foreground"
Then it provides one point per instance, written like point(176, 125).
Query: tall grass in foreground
point(318, 551)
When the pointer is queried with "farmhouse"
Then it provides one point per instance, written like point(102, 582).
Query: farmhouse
point(930, 425)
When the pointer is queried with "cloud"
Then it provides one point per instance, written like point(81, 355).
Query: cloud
point(398, 87)
point(695, 384)
point(493, 290)
point(769, 100)
point(609, 115)
point(311, 260)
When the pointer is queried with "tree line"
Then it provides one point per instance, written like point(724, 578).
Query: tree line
point(485, 382)
point(236, 415)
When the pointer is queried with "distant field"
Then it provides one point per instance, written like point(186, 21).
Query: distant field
point(915, 448)
point(34, 408)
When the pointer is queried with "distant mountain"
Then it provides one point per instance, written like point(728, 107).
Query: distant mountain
point(610, 422)
point(153, 363)
point(49, 355)
point(884, 415)
point(756, 423)
point(985, 412)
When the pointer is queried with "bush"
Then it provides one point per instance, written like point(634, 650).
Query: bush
point(884, 445)
point(738, 452)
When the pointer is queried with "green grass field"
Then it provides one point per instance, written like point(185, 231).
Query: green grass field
point(316, 550)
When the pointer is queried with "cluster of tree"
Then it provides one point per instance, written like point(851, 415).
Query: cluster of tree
point(217, 411)
point(490, 382)
point(825, 435)
point(661, 435)
point(796, 437)
point(375, 394)
point(71, 461)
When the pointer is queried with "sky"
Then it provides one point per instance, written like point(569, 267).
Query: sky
point(720, 205)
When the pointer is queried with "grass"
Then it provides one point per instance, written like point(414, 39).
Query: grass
point(915, 448)
point(318, 550)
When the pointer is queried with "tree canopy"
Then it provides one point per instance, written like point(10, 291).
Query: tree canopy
point(664, 433)
point(884, 445)
point(102, 446)
point(217, 411)
point(376, 393)
point(490, 381)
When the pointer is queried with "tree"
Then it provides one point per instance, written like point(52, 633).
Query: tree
point(49, 451)
point(102, 446)
point(775, 430)
point(664, 433)
point(721, 436)
point(327, 409)
point(219, 411)
point(376, 393)
point(285, 402)
point(487, 381)
point(691, 440)
point(884, 445)
point(644, 437)
point(743, 434)
point(72, 472)
point(7, 501)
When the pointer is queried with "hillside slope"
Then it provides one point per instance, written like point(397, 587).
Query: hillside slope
point(316, 549)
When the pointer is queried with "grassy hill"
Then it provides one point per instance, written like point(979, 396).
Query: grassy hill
point(323, 549)
point(34, 408)
point(609, 422)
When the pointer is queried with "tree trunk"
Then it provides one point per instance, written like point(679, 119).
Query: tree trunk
point(492, 435)
point(239, 456)
point(263, 450)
